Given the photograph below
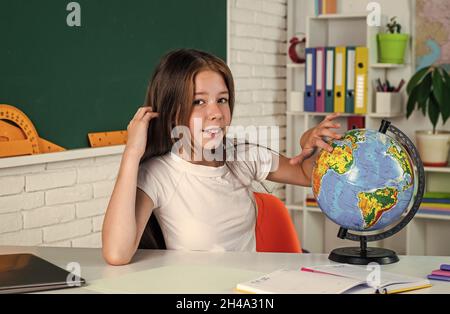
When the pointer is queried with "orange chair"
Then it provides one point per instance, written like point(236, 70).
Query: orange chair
point(275, 231)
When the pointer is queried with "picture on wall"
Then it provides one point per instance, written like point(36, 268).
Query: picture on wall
point(432, 33)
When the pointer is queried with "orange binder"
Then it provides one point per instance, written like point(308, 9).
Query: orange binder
point(329, 7)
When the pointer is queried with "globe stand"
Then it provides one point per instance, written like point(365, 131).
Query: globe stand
point(364, 255)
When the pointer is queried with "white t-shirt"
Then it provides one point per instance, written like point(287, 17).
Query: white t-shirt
point(203, 208)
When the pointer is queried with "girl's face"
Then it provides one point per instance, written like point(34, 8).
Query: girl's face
point(211, 112)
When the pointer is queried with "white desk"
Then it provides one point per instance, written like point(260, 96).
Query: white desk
point(93, 266)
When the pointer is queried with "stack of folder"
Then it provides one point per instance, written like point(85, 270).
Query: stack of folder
point(336, 79)
point(443, 273)
point(435, 203)
point(325, 7)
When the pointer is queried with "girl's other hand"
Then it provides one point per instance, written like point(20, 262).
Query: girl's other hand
point(315, 138)
point(137, 131)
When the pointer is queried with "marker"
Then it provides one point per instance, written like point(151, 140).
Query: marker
point(400, 86)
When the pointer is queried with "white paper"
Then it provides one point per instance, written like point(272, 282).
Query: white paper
point(298, 282)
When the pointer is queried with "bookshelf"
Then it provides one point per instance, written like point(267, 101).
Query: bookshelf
point(295, 66)
point(317, 233)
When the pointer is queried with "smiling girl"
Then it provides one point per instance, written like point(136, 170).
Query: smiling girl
point(203, 204)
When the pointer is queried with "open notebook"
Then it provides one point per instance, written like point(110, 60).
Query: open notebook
point(333, 279)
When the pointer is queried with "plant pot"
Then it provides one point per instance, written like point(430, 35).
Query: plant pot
point(433, 148)
point(392, 47)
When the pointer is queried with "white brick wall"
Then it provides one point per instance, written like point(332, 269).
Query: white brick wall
point(63, 203)
point(56, 204)
point(258, 62)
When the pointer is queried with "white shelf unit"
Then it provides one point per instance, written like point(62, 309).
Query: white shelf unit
point(295, 66)
point(316, 232)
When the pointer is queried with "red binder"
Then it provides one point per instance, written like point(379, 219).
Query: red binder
point(320, 79)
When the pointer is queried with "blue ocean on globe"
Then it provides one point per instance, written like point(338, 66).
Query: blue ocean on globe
point(366, 183)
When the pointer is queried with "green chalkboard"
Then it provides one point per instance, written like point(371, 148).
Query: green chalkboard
point(71, 81)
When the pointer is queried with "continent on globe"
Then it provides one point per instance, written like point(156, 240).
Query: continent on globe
point(373, 205)
point(402, 158)
point(340, 160)
point(355, 136)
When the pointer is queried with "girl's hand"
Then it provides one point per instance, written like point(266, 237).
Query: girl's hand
point(137, 131)
point(315, 138)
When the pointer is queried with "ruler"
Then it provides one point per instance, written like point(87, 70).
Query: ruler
point(18, 136)
point(110, 138)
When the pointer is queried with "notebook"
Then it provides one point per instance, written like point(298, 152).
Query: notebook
point(329, 280)
point(20, 273)
point(285, 281)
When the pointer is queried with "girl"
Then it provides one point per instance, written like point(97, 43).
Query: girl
point(201, 203)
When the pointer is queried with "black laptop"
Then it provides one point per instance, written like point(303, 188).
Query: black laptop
point(20, 273)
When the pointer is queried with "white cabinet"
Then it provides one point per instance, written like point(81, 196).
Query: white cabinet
point(426, 234)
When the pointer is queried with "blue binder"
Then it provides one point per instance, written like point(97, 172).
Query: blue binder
point(329, 79)
point(350, 86)
point(310, 80)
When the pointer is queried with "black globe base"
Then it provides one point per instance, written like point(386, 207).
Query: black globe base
point(357, 256)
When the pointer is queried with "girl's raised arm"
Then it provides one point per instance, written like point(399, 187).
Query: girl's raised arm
point(129, 208)
point(298, 170)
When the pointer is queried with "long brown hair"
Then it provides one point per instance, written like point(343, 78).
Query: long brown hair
point(171, 94)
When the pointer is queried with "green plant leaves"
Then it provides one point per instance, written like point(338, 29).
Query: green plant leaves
point(424, 90)
point(393, 26)
point(416, 79)
point(438, 87)
point(412, 100)
point(433, 111)
point(429, 88)
point(445, 105)
point(420, 92)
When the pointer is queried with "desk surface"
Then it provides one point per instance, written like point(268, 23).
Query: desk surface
point(93, 267)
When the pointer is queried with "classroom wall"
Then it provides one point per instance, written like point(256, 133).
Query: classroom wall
point(258, 62)
point(56, 204)
point(63, 203)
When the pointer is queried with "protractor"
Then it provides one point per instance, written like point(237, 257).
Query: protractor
point(15, 115)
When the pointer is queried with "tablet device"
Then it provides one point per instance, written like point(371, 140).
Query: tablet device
point(20, 273)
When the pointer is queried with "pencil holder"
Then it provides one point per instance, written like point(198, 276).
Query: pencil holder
point(388, 103)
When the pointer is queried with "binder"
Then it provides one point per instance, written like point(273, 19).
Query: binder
point(310, 80)
point(329, 80)
point(356, 123)
point(318, 7)
point(361, 87)
point(329, 6)
point(339, 79)
point(320, 79)
point(350, 85)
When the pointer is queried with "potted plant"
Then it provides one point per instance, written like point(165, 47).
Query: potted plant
point(429, 91)
point(392, 45)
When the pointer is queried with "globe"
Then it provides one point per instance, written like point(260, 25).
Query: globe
point(366, 183)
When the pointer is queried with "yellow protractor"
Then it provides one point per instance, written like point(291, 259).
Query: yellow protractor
point(18, 136)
